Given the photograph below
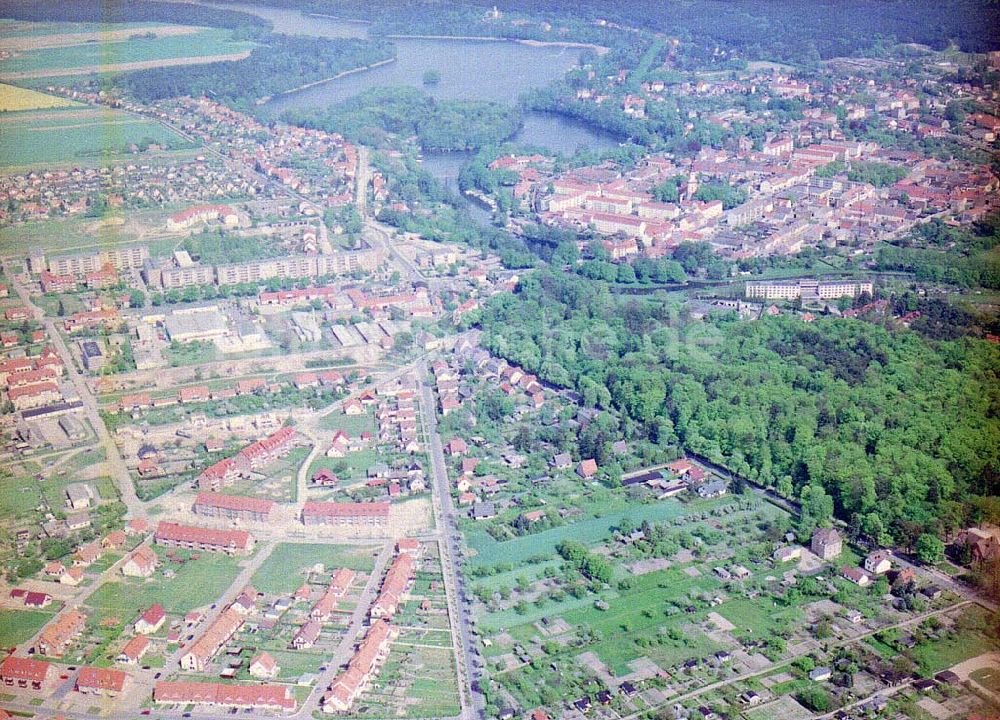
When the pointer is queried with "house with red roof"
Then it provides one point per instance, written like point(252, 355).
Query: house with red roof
point(587, 468)
point(151, 620)
point(264, 667)
point(141, 563)
point(23, 672)
point(134, 650)
point(456, 447)
point(100, 681)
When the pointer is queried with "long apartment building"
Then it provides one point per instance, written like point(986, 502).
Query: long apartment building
point(250, 458)
point(233, 507)
point(394, 586)
point(231, 542)
point(807, 289)
point(357, 516)
point(56, 637)
point(339, 584)
point(255, 697)
point(300, 266)
point(122, 258)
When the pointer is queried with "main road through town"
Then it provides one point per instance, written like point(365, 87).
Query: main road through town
point(458, 609)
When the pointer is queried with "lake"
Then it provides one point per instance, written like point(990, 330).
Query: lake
point(495, 70)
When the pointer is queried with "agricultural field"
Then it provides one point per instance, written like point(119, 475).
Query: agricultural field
point(86, 135)
point(16, 99)
point(80, 53)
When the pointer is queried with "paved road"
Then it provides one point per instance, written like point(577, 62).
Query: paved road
point(114, 464)
point(458, 611)
point(231, 593)
point(345, 649)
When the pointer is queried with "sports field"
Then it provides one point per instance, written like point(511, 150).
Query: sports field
point(14, 99)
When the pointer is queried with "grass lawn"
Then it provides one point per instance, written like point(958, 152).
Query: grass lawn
point(197, 583)
point(71, 234)
point(759, 616)
point(933, 656)
point(282, 572)
point(356, 462)
point(350, 424)
point(591, 530)
point(18, 626)
point(19, 496)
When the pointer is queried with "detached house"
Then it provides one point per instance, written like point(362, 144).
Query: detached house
point(142, 563)
point(826, 543)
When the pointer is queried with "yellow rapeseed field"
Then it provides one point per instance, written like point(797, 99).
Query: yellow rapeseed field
point(14, 98)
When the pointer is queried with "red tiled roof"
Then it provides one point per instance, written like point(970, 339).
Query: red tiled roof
point(24, 669)
point(234, 502)
point(175, 532)
point(154, 614)
point(101, 679)
point(277, 696)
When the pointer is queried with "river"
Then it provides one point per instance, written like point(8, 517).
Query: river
point(494, 70)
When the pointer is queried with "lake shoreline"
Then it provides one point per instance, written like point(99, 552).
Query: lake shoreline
point(599, 49)
point(314, 83)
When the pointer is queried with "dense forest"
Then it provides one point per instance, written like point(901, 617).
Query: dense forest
point(404, 111)
point(755, 29)
point(890, 430)
point(135, 11)
point(279, 64)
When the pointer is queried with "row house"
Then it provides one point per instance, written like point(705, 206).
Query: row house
point(231, 542)
point(233, 507)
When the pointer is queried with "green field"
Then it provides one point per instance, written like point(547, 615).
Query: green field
point(77, 135)
point(21, 28)
point(989, 678)
point(592, 530)
point(18, 626)
point(57, 60)
point(197, 583)
point(282, 572)
point(19, 496)
point(969, 641)
point(71, 234)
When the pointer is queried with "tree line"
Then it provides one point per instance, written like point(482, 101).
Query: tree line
point(884, 428)
point(404, 111)
point(280, 63)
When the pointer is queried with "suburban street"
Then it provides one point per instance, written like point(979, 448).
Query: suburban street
point(114, 463)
